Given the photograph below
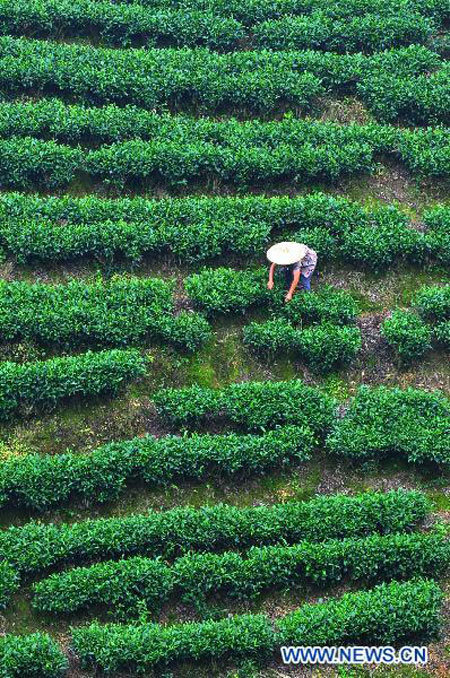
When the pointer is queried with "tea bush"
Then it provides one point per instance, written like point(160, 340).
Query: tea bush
point(421, 99)
point(323, 347)
point(314, 209)
point(24, 162)
point(433, 302)
point(130, 24)
point(367, 33)
point(441, 332)
point(411, 332)
point(225, 290)
point(259, 80)
point(71, 123)
point(51, 227)
point(31, 162)
point(407, 334)
point(439, 246)
point(37, 546)
point(437, 221)
point(46, 382)
point(410, 423)
point(379, 247)
point(327, 303)
point(251, 405)
point(50, 242)
point(32, 656)
point(259, 10)
point(183, 149)
point(270, 337)
point(187, 330)
point(321, 240)
point(56, 228)
point(190, 228)
point(147, 77)
point(40, 481)
point(125, 585)
point(437, 218)
point(121, 24)
point(9, 582)
point(113, 648)
point(176, 164)
point(387, 614)
point(119, 311)
point(426, 151)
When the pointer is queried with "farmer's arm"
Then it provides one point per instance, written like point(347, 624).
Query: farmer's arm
point(293, 287)
point(271, 272)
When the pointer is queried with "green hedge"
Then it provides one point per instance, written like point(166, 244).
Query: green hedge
point(9, 582)
point(124, 586)
point(422, 99)
point(25, 162)
point(115, 648)
point(252, 405)
point(133, 24)
point(433, 303)
point(314, 209)
point(408, 334)
point(182, 149)
point(437, 218)
point(379, 421)
point(327, 303)
point(225, 290)
point(259, 80)
point(76, 72)
point(254, 11)
point(40, 481)
point(322, 347)
point(67, 122)
point(426, 151)
point(46, 382)
point(35, 547)
point(439, 243)
point(28, 162)
point(32, 656)
point(119, 311)
point(411, 332)
point(379, 245)
point(57, 228)
point(367, 33)
point(122, 24)
point(441, 332)
point(440, 44)
point(154, 78)
point(387, 614)
point(385, 243)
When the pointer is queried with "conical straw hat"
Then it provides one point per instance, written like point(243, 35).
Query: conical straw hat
point(286, 253)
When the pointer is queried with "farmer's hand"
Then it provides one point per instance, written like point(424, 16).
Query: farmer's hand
point(270, 285)
point(288, 296)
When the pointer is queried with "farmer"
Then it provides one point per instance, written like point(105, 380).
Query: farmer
point(298, 263)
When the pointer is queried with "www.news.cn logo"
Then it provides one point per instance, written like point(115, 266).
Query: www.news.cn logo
point(307, 654)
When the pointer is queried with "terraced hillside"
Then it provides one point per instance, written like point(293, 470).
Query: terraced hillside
point(193, 472)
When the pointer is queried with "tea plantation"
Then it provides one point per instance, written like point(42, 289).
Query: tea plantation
point(195, 471)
